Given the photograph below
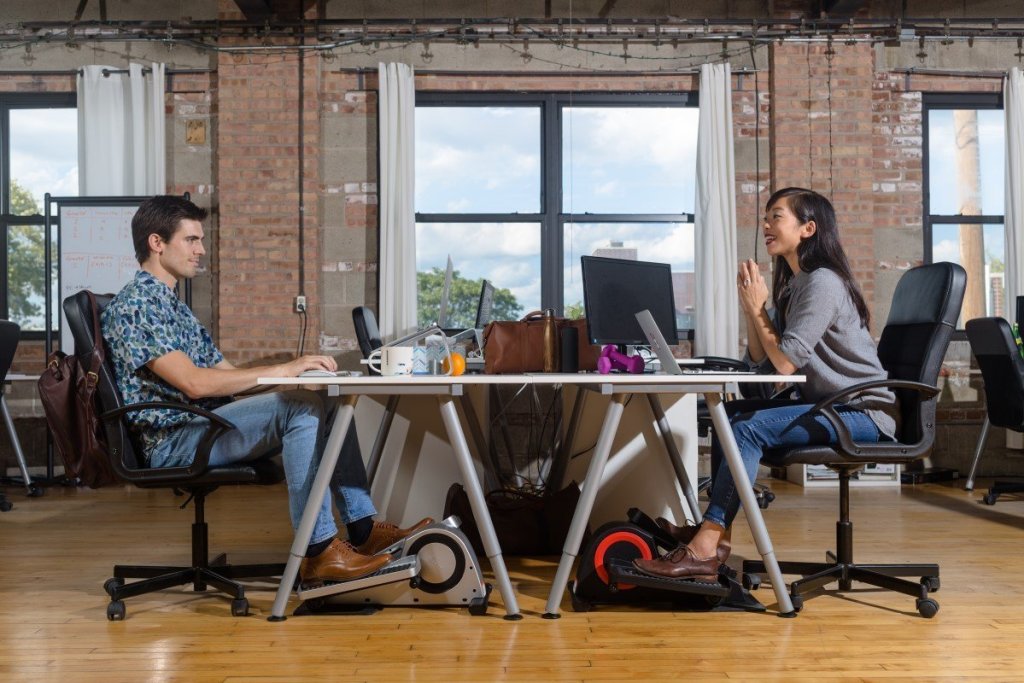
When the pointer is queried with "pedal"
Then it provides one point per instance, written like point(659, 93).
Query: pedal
point(403, 569)
point(626, 573)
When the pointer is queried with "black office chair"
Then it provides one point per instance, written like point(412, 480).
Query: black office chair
point(196, 479)
point(925, 308)
point(10, 334)
point(1002, 369)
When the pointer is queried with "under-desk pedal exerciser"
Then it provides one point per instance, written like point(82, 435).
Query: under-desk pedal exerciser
point(606, 573)
point(434, 567)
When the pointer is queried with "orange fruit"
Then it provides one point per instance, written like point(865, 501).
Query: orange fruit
point(458, 363)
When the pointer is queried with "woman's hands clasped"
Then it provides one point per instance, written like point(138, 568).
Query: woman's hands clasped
point(753, 291)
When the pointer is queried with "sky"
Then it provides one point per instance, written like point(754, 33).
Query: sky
point(615, 160)
point(44, 151)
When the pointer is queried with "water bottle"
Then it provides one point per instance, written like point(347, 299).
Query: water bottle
point(551, 341)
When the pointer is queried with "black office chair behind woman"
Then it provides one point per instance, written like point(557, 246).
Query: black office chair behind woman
point(924, 311)
point(1002, 369)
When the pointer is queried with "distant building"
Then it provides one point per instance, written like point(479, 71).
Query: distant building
point(616, 250)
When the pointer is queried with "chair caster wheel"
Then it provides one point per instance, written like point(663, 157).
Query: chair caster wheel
point(240, 607)
point(115, 610)
point(751, 582)
point(798, 602)
point(765, 500)
point(6, 506)
point(35, 492)
point(110, 585)
point(989, 499)
point(927, 607)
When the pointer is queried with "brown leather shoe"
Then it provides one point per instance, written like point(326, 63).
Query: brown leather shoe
point(681, 563)
point(385, 535)
point(685, 534)
point(339, 562)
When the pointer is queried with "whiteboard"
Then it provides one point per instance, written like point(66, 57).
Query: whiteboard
point(96, 252)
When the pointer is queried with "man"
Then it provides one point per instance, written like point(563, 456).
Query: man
point(161, 352)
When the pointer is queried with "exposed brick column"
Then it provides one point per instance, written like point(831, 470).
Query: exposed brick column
point(802, 152)
point(257, 171)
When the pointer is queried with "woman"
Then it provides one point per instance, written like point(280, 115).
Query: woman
point(818, 327)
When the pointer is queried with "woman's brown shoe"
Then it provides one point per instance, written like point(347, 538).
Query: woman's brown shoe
point(339, 562)
point(685, 534)
point(681, 563)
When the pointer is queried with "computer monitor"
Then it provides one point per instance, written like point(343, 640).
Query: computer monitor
point(484, 305)
point(615, 290)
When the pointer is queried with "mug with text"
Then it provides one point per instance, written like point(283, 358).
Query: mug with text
point(391, 360)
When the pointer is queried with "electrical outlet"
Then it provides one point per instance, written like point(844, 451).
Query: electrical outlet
point(300, 304)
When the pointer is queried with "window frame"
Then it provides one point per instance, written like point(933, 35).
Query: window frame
point(551, 218)
point(9, 101)
point(949, 101)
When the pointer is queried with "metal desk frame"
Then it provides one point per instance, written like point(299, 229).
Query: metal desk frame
point(620, 388)
point(349, 389)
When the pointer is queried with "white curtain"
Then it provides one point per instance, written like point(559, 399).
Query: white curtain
point(121, 140)
point(396, 112)
point(717, 314)
point(1013, 102)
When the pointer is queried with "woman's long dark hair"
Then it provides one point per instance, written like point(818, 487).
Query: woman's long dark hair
point(820, 250)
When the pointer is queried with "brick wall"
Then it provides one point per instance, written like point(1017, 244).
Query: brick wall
point(258, 259)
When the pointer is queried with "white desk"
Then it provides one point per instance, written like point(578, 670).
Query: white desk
point(349, 389)
point(619, 388)
point(9, 423)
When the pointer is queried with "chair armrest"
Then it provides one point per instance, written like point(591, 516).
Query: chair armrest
point(863, 452)
point(218, 426)
point(716, 362)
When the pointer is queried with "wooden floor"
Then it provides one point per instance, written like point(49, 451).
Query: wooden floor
point(57, 551)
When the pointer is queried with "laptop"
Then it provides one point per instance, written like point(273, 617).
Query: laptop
point(442, 313)
point(669, 363)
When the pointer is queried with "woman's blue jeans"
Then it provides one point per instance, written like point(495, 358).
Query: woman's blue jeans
point(765, 424)
point(296, 423)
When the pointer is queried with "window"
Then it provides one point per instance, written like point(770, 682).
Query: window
point(963, 194)
point(517, 187)
point(38, 155)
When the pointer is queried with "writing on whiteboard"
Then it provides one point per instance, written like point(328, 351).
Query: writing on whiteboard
point(96, 252)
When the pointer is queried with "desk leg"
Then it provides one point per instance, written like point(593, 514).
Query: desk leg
point(677, 460)
point(556, 477)
point(476, 500)
point(382, 438)
point(16, 444)
point(746, 490)
point(332, 450)
point(588, 493)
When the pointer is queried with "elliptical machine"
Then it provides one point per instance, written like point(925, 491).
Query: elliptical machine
point(434, 566)
point(606, 574)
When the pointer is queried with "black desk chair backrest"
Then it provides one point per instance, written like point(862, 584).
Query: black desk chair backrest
point(10, 335)
point(925, 308)
point(197, 479)
point(119, 440)
point(1002, 370)
point(367, 332)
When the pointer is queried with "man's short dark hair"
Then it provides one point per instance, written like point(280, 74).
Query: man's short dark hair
point(161, 215)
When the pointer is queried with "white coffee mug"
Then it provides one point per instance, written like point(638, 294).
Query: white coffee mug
point(391, 360)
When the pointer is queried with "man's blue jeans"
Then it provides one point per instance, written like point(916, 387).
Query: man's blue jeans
point(296, 423)
point(761, 425)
